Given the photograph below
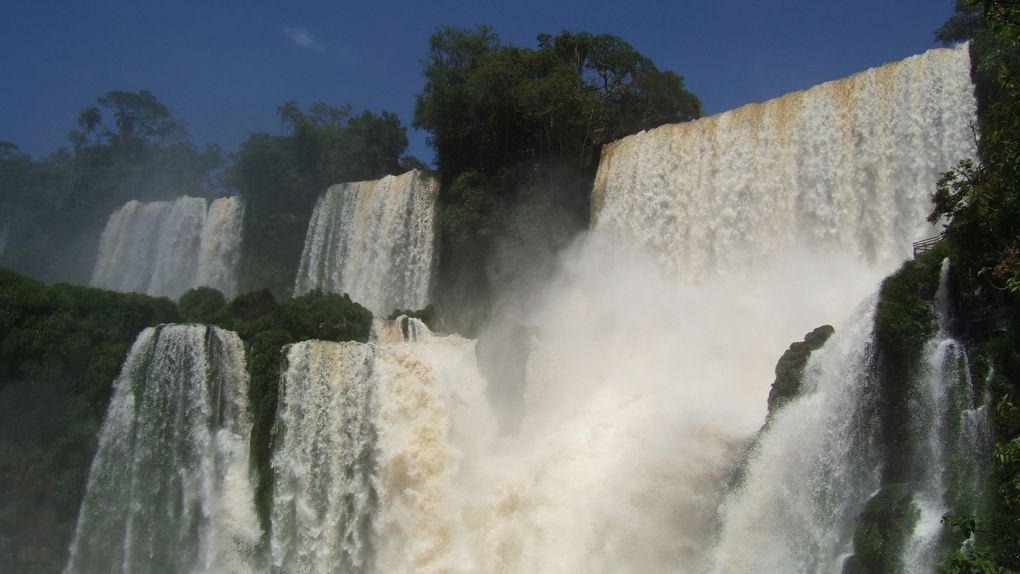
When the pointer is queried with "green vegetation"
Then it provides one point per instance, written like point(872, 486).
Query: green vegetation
point(266, 325)
point(426, 315)
point(981, 204)
point(883, 527)
point(517, 133)
point(128, 146)
point(60, 349)
point(790, 367)
point(281, 177)
point(199, 304)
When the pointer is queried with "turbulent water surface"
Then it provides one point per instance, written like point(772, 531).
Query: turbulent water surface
point(166, 248)
point(373, 240)
point(169, 489)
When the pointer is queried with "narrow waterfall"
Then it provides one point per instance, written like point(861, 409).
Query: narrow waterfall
point(373, 240)
point(949, 424)
point(324, 463)
point(818, 473)
point(169, 489)
point(166, 248)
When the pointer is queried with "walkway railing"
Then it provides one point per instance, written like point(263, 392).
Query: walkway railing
point(926, 244)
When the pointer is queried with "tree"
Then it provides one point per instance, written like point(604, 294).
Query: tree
point(510, 123)
point(282, 176)
point(444, 108)
point(635, 93)
point(141, 122)
point(980, 202)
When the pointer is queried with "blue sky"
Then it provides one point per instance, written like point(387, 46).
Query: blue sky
point(224, 66)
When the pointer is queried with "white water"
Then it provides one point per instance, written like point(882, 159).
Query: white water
point(846, 166)
point(323, 463)
point(651, 354)
point(813, 470)
point(952, 433)
point(166, 248)
point(373, 240)
point(169, 489)
point(364, 476)
point(650, 357)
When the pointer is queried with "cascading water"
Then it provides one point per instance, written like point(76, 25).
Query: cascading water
point(950, 429)
point(169, 489)
point(363, 466)
point(650, 355)
point(324, 491)
point(846, 166)
point(813, 469)
point(374, 241)
point(821, 462)
point(166, 248)
point(649, 358)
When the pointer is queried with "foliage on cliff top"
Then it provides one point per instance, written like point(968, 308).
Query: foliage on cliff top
point(128, 145)
point(980, 202)
point(266, 325)
point(517, 126)
point(60, 348)
point(281, 176)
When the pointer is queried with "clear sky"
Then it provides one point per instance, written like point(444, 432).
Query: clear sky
point(224, 66)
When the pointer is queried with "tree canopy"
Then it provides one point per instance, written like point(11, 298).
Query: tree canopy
point(517, 127)
point(281, 176)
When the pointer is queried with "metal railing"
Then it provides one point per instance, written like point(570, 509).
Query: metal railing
point(926, 244)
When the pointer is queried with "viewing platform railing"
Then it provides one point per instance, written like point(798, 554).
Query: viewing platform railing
point(926, 244)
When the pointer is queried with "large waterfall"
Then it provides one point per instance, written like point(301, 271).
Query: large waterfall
point(649, 358)
point(166, 248)
point(169, 489)
point(846, 166)
point(374, 241)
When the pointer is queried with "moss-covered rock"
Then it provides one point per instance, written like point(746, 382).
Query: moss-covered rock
point(883, 527)
point(790, 367)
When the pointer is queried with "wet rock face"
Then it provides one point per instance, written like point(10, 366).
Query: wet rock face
point(790, 368)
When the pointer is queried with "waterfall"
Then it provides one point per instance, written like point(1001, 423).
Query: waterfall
point(166, 248)
point(846, 166)
point(363, 468)
point(819, 465)
point(950, 427)
point(169, 488)
point(649, 358)
point(649, 355)
point(324, 491)
point(374, 241)
point(814, 468)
